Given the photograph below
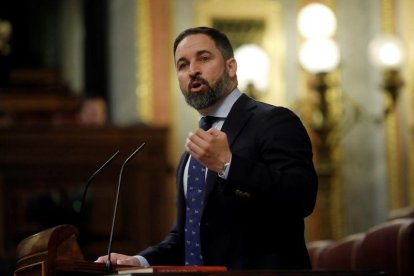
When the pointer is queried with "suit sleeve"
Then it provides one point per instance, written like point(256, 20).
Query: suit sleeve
point(167, 252)
point(171, 250)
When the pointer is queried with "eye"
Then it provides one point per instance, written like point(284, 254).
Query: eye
point(204, 58)
point(181, 65)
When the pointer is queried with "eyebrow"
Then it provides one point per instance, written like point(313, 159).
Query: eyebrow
point(198, 53)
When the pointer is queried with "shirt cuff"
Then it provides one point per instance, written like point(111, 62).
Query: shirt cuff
point(226, 171)
point(142, 260)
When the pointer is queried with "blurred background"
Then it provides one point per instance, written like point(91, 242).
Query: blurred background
point(80, 79)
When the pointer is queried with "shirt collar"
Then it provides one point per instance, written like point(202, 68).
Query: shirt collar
point(223, 109)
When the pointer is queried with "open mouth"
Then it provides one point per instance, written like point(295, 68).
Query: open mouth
point(196, 85)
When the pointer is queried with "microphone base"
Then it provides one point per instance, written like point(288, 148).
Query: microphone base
point(109, 268)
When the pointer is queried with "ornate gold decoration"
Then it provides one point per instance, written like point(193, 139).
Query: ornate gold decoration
point(407, 7)
point(143, 60)
point(392, 130)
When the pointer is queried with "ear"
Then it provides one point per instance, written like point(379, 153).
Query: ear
point(231, 65)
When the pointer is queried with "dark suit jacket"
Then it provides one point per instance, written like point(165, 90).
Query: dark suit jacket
point(255, 218)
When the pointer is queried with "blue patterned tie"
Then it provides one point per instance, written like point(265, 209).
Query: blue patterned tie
point(195, 192)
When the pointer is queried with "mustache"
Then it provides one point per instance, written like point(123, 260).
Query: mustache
point(197, 79)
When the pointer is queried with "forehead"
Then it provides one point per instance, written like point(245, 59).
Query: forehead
point(194, 44)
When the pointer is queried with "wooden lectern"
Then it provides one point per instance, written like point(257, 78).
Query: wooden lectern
point(54, 251)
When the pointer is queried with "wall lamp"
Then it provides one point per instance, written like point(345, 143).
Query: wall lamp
point(5, 35)
point(319, 55)
point(253, 69)
point(387, 53)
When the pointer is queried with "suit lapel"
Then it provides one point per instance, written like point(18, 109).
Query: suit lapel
point(239, 115)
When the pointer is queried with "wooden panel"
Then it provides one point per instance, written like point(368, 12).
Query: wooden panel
point(44, 170)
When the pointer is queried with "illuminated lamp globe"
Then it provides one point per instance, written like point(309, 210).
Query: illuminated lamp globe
point(387, 52)
point(319, 55)
point(253, 66)
point(316, 20)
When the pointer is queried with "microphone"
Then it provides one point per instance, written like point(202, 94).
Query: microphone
point(109, 267)
point(89, 182)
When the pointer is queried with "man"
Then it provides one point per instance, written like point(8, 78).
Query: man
point(260, 181)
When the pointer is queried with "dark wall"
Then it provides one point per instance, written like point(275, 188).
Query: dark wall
point(96, 47)
point(35, 24)
point(35, 40)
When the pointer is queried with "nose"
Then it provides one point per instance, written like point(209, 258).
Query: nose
point(194, 70)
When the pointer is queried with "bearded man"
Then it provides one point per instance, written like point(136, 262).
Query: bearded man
point(246, 181)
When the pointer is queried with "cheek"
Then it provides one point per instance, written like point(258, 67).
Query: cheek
point(217, 70)
point(212, 75)
point(182, 81)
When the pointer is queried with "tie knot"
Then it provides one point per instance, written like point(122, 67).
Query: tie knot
point(206, 122)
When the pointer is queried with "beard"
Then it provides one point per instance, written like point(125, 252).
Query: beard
point(209, 96)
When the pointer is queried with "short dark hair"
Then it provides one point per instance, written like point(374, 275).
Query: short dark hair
point(220, 39)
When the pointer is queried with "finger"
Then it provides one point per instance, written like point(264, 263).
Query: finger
point(203, 134)
point(101, 259)
point(213, 131)
point(122, 262)
point(197, 141)
point(201, 138)
point(192, 148)
point(187, 141)
point(129, 261)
